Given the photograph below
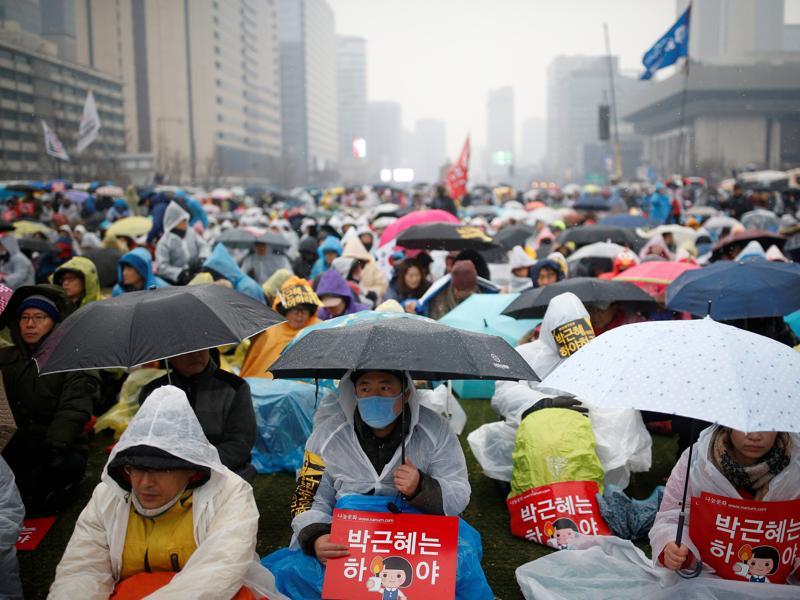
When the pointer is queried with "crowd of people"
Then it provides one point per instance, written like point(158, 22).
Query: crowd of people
point(174, 510)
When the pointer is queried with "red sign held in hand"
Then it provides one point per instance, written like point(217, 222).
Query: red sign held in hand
point(400, 557)
point(553, 514)
point(33, 532)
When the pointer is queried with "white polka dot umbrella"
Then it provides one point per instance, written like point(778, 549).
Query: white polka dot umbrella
point(699, 369)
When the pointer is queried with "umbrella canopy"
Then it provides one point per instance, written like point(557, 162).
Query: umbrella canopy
point(105, 260)
point(679, 233)
point(482, 210)
point(483, 313)
point(139, 327)
point(77, 196)
point(592, 202)
point(131, 227)
point(760, 218)
point(273, 239)
point(738, 289)
point(515, 235)
point(720, 222)
point(26, 186)
point(444, 236)
point(423, 347)
point(589, 234)
point(109, 190)
point(702, 211)
point(221, 194)
point(237, 238)
point(36, 245)
point(546, 214)
point(27, 228)
point(532, 304)
point(624, 220)
point(416, 218)
point(699, 369)
point(765, 238)
point(654, 277)
point(596, 250)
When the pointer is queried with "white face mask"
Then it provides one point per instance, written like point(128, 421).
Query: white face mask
point(518, 284)
point(158, 511)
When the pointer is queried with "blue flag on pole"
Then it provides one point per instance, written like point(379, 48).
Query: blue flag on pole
point(673, 45)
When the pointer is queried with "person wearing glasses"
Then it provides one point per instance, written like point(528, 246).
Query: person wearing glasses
point(167, 516)
point(49, 450)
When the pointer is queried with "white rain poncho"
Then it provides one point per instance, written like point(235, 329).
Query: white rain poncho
point(345, 469)
point(706, 477)
point(224, 514)
point(12, 512)
point(175, 253)
point(622, 441)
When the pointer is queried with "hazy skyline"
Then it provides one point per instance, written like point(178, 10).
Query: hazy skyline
point(440, 58)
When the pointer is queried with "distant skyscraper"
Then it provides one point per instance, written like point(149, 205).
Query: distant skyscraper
point(308, 91)
point(351, 91)
point(533, 141)
point(429, 149)
point(53, 20)
point(500, 133)
point(201, 84)
point(385, 137)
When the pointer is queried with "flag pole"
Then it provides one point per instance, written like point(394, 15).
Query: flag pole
point(684, 135)
point(617, 152)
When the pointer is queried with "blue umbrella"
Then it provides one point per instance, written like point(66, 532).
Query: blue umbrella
point(482, 313)
point(592, 203)
point(738, 290)
point(624, 220)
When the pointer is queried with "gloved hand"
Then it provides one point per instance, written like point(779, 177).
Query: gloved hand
point(184, 277)
point(195, 265)
point(568, 402)
point(372, 296)
point(56, 461)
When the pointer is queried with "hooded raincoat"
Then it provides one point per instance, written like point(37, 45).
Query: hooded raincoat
point(261, 267)
point(337, 466)
point(706, 477)
point(16, 268)
point(86, 269)
point(332, 284)
point(329, 244)
point(222, 263)
point(139, 259)
point(224, 517)
point(372, 278)
point(12, 513)
point(174, 252)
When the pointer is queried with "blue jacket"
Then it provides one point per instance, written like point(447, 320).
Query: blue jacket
point(329, 243)
point(195, 209)
point(139, 259)
point(158, 204)
point(658, 206)
point(222, 263)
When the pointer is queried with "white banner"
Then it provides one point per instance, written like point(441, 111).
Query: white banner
point(90, 123)
point(52, 144)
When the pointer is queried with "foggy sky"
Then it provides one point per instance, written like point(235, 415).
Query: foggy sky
point(439, 58)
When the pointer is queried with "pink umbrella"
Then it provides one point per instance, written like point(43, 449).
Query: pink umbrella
point(416, 218)
point(654, 277)
point(5, 296)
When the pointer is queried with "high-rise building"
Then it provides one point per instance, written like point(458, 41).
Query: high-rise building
point(385, 137)
point(732, 30)
point(500, 133)
point(428, 149)
point(576, 87)
point(36, 85)
point(308, 91)
point(351, 91)
point(52, 20)
point(532, 144)
point(201, 82)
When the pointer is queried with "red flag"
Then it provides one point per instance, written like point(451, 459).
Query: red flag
point(458, 174)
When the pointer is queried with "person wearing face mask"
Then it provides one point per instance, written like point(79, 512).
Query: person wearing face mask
point(296, 301)
point(357, 451)
point(167, 518)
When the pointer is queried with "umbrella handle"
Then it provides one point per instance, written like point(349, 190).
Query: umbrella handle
point(682, 516)
point(679, 534)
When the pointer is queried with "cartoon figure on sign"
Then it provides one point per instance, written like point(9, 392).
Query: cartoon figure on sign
point(561, 533)
point(389, 575)
point(757, 563)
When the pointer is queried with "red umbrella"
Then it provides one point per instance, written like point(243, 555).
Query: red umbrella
point(416, 218)
point(765, 238)
point(654, 277)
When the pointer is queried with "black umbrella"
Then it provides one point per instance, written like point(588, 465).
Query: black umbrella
point(139, 327)
point(31, 244)
point(444, 236)
point(105, 260)
point(515, 235)
point(532, 304)
point(424, 348)
point(236, 238)
point(592, 203)
point(589, 234)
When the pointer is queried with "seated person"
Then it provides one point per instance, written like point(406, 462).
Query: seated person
point(180, 251)
point(12, 513)
point(222, 403)
point(762, 466)
point(298, 303)
point(433, 478)
point(49, 450)
point(78, 276)
point(135, 273)
point(166, 514)
point(336, 296)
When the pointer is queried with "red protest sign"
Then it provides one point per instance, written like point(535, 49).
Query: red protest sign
point(746, 539)
point(33, 532)
point(397, 556)
point(552, 514)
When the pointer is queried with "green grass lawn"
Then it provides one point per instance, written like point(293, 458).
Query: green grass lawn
point(502, 553)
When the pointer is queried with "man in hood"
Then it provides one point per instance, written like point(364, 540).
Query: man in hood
point(16, 269)
point(180, 251)
point(166, 515)
point(79, 280)
point(327, 251)
point(263, 262)
point(336, 296)
point(222, 266)
point(222, 403)
point(135, 273)
point(307, 256)
point(49, 450)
